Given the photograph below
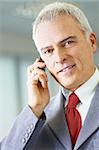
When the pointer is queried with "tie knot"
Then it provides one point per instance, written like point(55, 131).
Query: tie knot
point(73, 101)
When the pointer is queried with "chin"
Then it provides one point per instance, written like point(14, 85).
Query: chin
point(68, 83)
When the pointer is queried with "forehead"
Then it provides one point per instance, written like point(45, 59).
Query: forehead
point(56, 30)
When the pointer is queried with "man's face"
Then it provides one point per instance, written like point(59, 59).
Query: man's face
point(66, 51)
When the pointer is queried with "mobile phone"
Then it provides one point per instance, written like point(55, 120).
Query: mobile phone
point(42, 61)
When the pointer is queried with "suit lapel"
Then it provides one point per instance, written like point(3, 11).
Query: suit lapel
point(56, 121)
point(91, 122)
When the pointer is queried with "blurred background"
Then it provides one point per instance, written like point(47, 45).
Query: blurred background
point(17, 51)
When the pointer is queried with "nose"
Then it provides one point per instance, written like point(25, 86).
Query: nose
point(59, 55)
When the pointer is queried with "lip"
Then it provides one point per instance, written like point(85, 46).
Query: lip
point(66, 68)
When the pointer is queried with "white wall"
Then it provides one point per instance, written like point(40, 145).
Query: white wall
point(9, 97)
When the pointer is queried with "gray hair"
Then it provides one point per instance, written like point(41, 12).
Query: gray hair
point(53, 10)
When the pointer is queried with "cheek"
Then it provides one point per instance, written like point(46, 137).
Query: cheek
point(86, 57)
point(85, 53)
point(49, 63)
point(83, 62)
point(51, 67)
point(80, 54)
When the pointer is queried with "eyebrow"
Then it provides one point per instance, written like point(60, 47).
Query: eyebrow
point(62, 41)
point(45, 48)
point(66, 39)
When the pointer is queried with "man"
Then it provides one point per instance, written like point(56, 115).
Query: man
point(70, 120)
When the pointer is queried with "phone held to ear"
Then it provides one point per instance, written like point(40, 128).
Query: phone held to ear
point(42, 61)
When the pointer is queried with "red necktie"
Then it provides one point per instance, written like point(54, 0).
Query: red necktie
point(73, 117)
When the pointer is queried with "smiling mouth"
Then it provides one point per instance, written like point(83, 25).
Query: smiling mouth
point(66, 68)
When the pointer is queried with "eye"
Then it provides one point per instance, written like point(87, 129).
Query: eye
point(48, 51)
point(68, 43)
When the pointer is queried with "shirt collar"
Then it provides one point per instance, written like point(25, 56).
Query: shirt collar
point(85, 90)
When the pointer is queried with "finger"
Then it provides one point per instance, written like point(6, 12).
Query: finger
point(35, 66)
point(38, 75)
point(38, 63)
point(38, 72)
point(43, 81)
point(38, 80)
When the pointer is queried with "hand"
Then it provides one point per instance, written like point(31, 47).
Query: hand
point(38, 92)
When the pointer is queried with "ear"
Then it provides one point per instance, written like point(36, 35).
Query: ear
point(92, 39)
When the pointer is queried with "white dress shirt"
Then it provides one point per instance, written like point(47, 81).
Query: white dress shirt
point(85, 93)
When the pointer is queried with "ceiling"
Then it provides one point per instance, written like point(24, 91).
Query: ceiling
point(15, 22)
